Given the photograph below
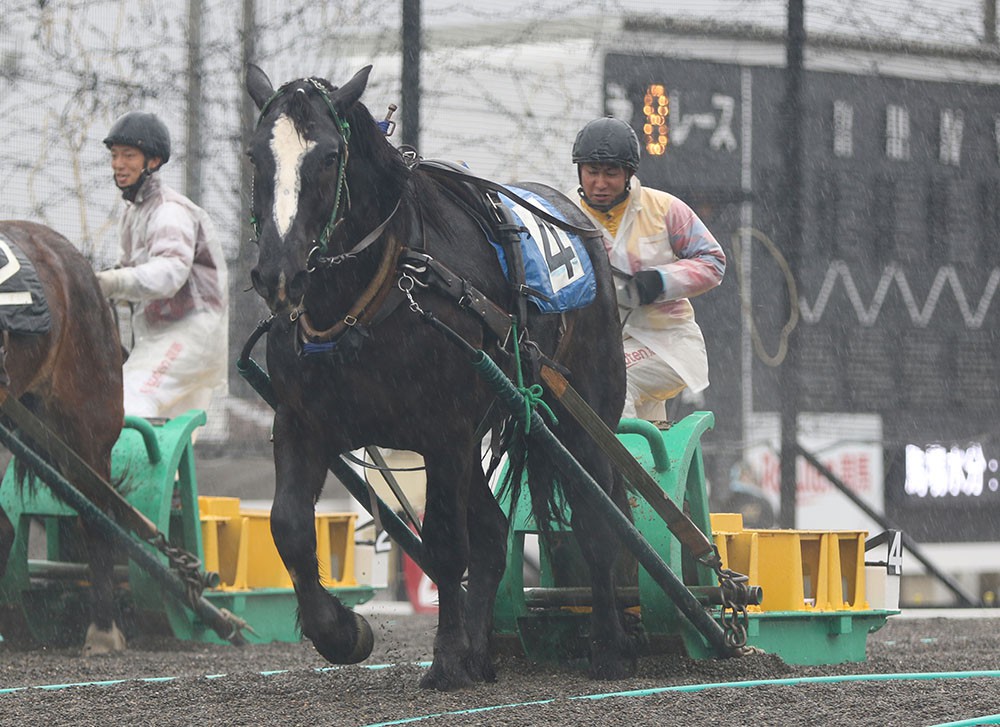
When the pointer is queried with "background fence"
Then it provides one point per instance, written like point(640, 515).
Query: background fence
point(503, 87)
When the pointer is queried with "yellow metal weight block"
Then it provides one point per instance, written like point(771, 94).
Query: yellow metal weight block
point(799, 570)
point(238, 545)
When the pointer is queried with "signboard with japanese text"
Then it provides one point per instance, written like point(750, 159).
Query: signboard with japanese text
point(849, 445)
point(896, 291)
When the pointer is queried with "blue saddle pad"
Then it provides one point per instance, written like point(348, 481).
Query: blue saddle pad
point(23, 308)
point(556, 263)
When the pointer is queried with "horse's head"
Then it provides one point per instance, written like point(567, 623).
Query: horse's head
point(299, 154)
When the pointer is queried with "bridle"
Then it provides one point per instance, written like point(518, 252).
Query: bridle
point(342, 199)
point(369, 303)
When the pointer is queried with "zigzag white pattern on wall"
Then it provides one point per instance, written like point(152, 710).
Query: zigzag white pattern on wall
point(921, 316)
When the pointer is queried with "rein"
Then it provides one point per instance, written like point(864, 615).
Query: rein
point(314, 261)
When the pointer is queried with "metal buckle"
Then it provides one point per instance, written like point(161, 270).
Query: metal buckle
point(310, 264)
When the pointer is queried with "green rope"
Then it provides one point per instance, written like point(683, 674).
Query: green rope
point(532, 394)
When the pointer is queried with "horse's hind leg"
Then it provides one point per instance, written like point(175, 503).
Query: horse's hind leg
point(103, 634)
point(487, 549)
point(446, 546)
point(7, 536)
point(612, 648)
point(339, 635)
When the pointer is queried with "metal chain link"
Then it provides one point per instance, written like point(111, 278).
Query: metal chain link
point(187, 566)
point(733, 588)
point(406, 283)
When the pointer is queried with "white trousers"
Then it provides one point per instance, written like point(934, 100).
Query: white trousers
point(176, 369)
point(651, 382)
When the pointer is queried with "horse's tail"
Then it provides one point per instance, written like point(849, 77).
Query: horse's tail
point(548, 503)
point(528, 462)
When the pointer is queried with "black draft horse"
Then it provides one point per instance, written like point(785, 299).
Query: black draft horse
point(324, 171)
point(71, 379)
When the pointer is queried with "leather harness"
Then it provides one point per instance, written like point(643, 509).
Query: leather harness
point(398, 262)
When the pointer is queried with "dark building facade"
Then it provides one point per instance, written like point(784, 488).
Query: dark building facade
point(897, 287)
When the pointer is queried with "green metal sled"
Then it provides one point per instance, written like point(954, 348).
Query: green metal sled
point(44, 600)
point(550, 621)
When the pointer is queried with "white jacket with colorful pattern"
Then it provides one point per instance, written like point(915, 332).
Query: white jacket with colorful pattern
point(660, 232)
point(174, 270)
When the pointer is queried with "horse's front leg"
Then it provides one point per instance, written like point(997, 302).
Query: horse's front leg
point(339, 635)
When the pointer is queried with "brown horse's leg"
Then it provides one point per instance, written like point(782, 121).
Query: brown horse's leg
point(103, 634)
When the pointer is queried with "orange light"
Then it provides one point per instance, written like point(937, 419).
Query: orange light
point(656, 109)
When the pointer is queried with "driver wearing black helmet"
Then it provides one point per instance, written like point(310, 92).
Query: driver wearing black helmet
point(662, 255)
point(172, 268)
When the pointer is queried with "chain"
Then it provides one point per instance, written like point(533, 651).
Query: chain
point(732, 586)
point(188, 567)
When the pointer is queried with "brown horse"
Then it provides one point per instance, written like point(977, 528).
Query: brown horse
point(71, 378)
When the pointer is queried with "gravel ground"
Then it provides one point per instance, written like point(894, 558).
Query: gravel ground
point(289, 684)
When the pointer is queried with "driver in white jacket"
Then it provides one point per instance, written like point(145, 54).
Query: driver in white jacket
point(173, 269)
point(662, 255)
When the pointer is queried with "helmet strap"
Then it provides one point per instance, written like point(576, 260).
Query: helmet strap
point(130, 192)
point(613, 203)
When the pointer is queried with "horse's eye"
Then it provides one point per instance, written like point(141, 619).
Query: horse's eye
point(330, 159)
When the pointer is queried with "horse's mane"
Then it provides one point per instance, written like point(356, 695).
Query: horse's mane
point(382, 160)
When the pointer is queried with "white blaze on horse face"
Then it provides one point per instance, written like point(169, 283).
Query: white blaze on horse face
point(289, 149)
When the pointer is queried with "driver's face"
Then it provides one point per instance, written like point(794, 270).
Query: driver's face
point(127, 163)
point(603, 182)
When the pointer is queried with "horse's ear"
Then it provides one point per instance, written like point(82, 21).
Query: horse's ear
point(348, 94)
point(258, 85)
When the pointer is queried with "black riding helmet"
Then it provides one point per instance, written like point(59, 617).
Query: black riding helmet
point(607, 140)
point(144, 131)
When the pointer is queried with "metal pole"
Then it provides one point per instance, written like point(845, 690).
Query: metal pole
point(410, 76)
point(792, 113)
point(192, 170)
point(245, 307)
point(990, 22)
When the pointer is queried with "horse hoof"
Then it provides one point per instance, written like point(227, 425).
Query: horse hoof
point(365, 640)
point(445, 680)
point(481, 669)
point(608, 670)
point(100, 642)
point(363, 643)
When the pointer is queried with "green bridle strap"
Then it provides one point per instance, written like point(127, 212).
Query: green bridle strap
point(344, 129)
